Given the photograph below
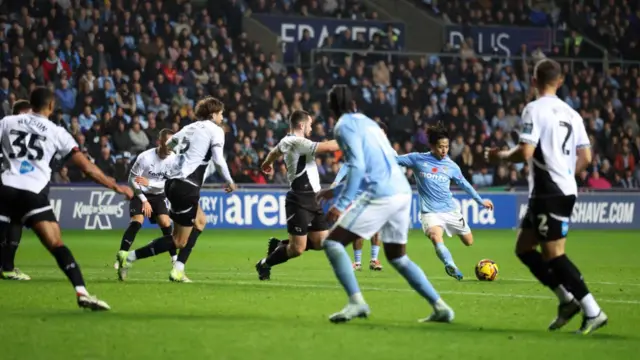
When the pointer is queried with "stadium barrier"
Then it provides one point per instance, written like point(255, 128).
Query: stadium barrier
point(92, 208)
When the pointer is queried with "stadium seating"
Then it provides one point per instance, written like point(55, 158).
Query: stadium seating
point(122, 73)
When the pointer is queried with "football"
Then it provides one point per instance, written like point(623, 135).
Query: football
point(486, 270)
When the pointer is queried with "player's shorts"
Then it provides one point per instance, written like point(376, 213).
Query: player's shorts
point(549, 217)
point(25, 207)
point(304, 214)
point(453, 223)
point(158, 206)
point(391, 216)
point(183, 198)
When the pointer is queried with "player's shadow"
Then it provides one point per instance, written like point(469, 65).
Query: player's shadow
point(459, 328)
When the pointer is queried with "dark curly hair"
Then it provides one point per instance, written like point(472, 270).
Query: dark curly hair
point(436, 133)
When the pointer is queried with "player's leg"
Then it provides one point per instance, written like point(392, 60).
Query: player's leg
point(434, 226)
point(553, 226)
point(374, 263)
point(395, 234)
point(9, 247)
point(298, 227)
point(135, 224)
point(357, 254)
point(178, 273)
point(184, 202)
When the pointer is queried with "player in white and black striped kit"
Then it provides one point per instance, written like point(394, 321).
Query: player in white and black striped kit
point(147, 177)
point(199, 143)
point(28, 143)
point(306, 223)
point(555, 144)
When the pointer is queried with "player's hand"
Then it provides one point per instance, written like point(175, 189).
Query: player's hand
point(488, 204)
point(492, 155)
point(124, 190)
point(333, 214)
point(141, 180)
point(230, 187)
point(324, 195)
point(146, 209)
point(267, 168)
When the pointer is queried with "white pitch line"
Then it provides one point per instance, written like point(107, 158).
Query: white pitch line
point(332, 287)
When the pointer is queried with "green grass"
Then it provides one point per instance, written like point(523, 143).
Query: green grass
point(229, 314)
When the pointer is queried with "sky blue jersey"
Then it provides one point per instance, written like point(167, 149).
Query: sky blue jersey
point(433, 177)
point(370, 161)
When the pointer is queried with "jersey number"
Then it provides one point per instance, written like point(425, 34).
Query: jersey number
point(566, 138)
point(543, 228)
point(184, 146)
point(26, 144)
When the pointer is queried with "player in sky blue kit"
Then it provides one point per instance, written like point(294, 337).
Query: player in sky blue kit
point(383, 206)
point(439, 213)
point(374, 263)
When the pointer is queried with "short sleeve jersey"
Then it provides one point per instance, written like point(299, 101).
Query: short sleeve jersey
point(28, 142)
point(299, 158)
point(556, 131)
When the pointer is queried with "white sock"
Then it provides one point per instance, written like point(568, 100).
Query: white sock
point(174, 258)
point(356, 298)
point(132, 256)
point(81, 290)
point(375, 249)
point(590, 306)
point(439, 304)
point(563, 295)
point(178, 266)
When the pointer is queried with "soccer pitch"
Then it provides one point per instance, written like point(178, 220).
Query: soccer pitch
point(228, 314)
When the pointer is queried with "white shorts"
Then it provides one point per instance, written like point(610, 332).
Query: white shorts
point(451, 222)
point(390, 216)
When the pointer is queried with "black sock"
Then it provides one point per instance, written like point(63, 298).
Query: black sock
point(278, 256)
point(183, 256)
point(10, 247)
point(540, 268)
point(156, 247)
point(68, 265)
point(130, 235)
point(167, 231)
point(569, 276)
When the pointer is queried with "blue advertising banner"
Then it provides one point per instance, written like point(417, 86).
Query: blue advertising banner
point(99, 209)
point(500, 40)
point(290, 30)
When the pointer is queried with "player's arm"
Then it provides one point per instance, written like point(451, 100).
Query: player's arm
point(67, 146)
point(351, 144)
point(274, 154)
point(342, 172)
point(529, 138)
point(220, 162)
point(405, 160)
point(459, 179)
point(326, 147)
point(583, 148)
point(134, 178)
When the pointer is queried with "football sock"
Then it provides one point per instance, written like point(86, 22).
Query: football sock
point(156, 247)
point(375, 250)
point(341, 264)
point(416, 278)
point(10, 247)
point(444, 254)
point(542, 271)
point(357, 256)
point(167, 231)
point(570, 277)
point(183, 256)
point(130, 235)
point(278, 256)
point(68, 265)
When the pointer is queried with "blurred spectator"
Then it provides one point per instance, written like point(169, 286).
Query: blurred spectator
point(105, 162)
point(139, 139)
point(597, 182)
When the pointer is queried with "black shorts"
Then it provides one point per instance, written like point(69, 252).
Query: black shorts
point(24, 207)
point(549, 217)
point(304, 214)
point(184, 199)
point(158, 206)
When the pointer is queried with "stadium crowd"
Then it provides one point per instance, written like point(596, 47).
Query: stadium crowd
point(123, 72)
